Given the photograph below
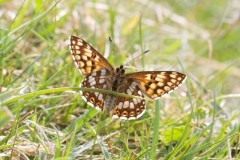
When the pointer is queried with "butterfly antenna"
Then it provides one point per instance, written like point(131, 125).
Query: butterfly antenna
point(131, 59)
point(108, 47)
point(112, 45)
point(110, 39)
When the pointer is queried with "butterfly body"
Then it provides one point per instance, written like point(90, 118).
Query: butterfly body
point(116, 83)
point(100, 74)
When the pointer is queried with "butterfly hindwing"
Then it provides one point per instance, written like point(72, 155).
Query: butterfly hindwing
point(99, 80)
point(130, 108)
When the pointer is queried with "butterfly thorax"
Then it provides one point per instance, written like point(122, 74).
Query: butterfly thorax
point(118, 80)
point(118, 84)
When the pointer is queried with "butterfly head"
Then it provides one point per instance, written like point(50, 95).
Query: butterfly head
point(120, 70)
point(118, 79)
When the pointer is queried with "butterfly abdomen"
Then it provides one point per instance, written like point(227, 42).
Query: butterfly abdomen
point(110, 103)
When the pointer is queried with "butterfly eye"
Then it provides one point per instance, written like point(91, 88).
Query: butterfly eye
point(122, 71)
point(121, 67)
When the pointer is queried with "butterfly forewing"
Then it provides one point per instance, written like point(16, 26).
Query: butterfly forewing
point(155, 84)
point(86, 58)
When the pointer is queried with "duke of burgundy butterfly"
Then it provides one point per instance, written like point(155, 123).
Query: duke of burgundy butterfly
point(100, 74)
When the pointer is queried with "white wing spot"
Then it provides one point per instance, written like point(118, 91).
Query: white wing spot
point(93, 83)
point(131, 118)
point(73, 42)
point(166, 88)
point(97, 58)
point(84, 57)
point(81, 64)
point(153, 85)
point(134, 84)
point(154, 96)
point(120, 105)
point(129, 91)
point(160, 84)
point(79, 43)
point(115, 116)
point(179, 78)
point(90, 78)
point(101, 80)
point(89, 63)
point(173, 80)
point(135, 101)
point(138, 100)
point(96, 93)
point(77, 57)
point(76, 47)
point(87, 53)
point(169, 83)
point(159, 79)
point(173, 76)
point(103, 72)
point(159, 91)
point(131, 105)
point(90, 104)
point(139, 93)
point(77, 52)
point(161, 76)
point(94, 74)
point(88, 47)
point(100, 97)
point(84, 98)
point(148, 76)
point(126, 104)
point(123, 118)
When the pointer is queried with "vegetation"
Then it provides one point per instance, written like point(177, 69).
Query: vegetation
point(42, 116)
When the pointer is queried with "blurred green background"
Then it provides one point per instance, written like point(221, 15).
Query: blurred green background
point(41, 116)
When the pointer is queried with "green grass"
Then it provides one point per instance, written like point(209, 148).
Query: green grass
point(42, 116)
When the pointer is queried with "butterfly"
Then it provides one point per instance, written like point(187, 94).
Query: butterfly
point(100, 74)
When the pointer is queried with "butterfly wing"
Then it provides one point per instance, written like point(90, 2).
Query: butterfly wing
point(96, 69)
point(86, 58)
point(157, 83)
point(130, 108)
point(98, 79)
